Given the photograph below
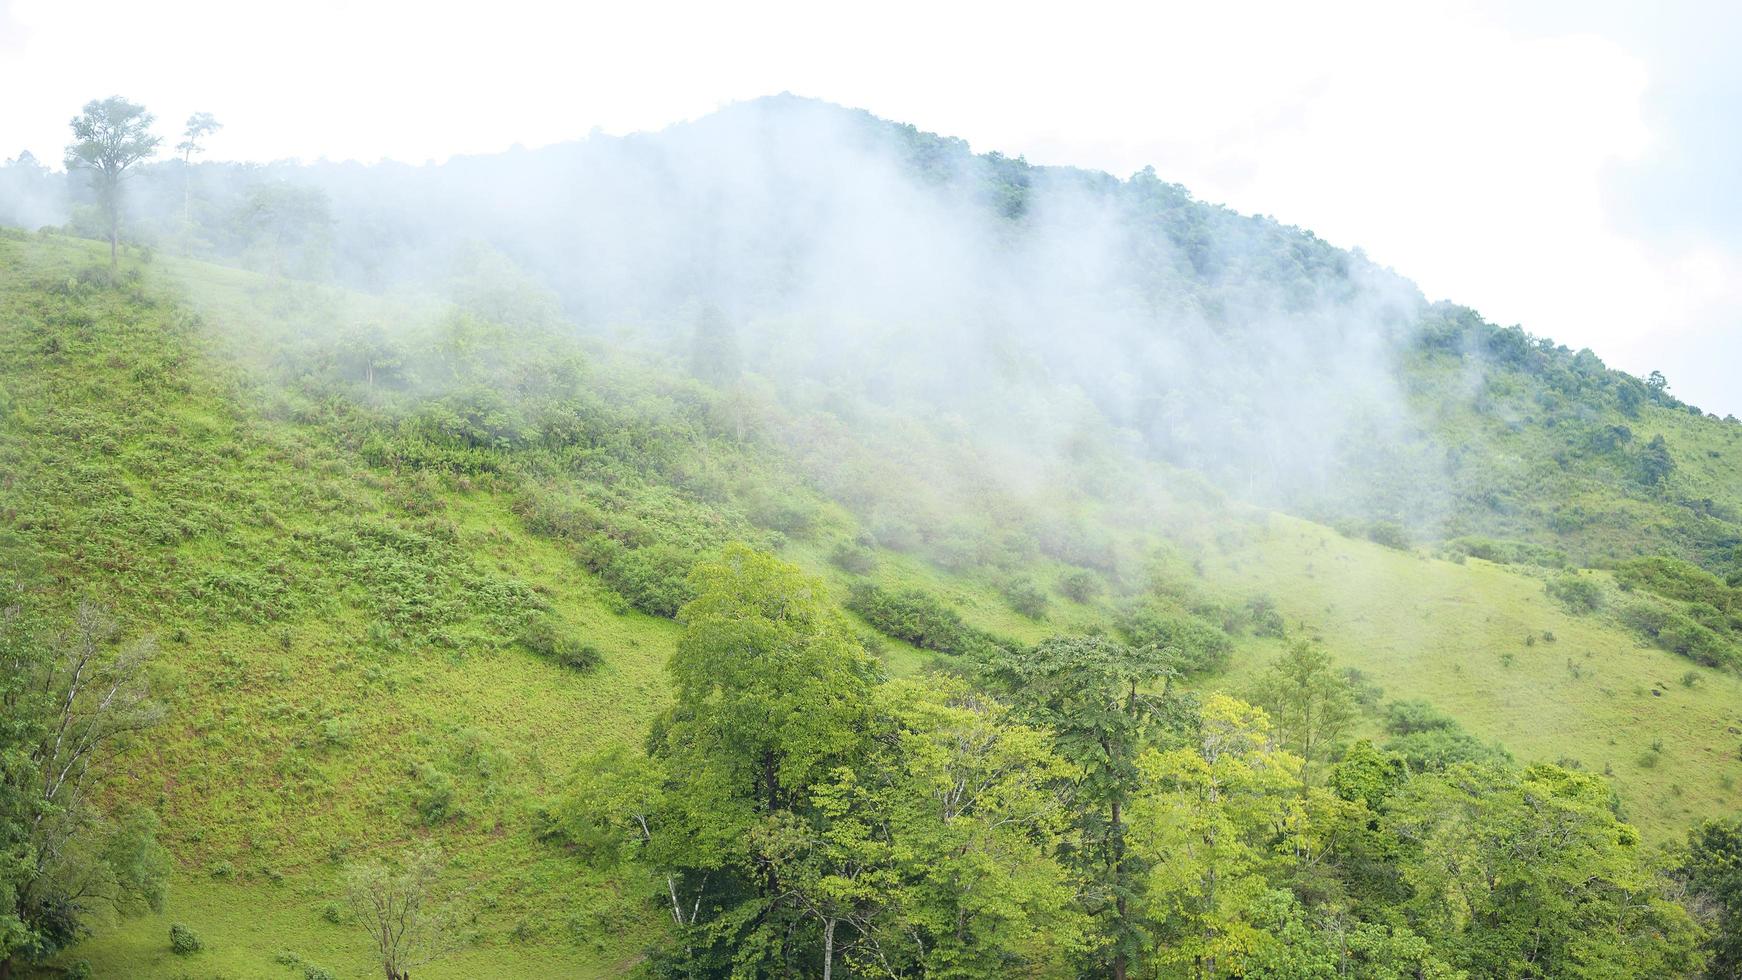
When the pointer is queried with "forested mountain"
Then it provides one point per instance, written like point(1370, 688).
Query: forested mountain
point(791, 542)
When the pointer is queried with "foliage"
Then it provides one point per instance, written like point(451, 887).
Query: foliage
point(1426, 738)
point(1578, 593)
point(1712, 870)
point(1025, 597)
point(1311, 705)
point(182, 941)
point(1081, 585)
point(73, 703)
point(919, 618)
point(402, 911)
point(1191, 644)
point(548, 638)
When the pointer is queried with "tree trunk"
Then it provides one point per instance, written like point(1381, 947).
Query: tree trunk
point(1118, 842)
point(829, 949)
point(114, 231)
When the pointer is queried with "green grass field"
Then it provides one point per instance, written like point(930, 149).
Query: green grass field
point(337, 639)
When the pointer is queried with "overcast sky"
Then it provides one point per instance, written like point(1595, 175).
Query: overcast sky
point(1574, 167)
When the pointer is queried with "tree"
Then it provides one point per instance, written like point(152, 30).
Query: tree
point(714, 353)
point(397, 906)
point(199, 126)
point(68, 708)
point(1098, 697)
point(1712, 870)
point(1531, 874)
point(279, 221)
point(976, 827)
point(1655, 462)
point(1309, 702)
point(772, 699)
point(109, 137)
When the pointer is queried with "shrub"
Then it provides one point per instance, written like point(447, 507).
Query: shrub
point(182, 941)
point(1389, 534)
point(338, 733)
point(1081, 585)
point(544, 637)
point(312, 972)
point(918, 617)
point(853, 558)
point(1673, 630)
point(1428, 739)
point(1194, 645)
point(1578, 593)
point(433, 795)
point(1025, 597)
point(654, 579)
point(1266, 620)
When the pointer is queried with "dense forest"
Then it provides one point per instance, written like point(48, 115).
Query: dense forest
point(791, 544)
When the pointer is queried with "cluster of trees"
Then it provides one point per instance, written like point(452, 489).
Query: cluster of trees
point(1066, 809)
point(278, 226)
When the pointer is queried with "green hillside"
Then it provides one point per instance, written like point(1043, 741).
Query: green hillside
point(408, 561)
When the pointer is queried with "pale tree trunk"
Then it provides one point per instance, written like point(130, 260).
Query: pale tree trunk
point(829, 948)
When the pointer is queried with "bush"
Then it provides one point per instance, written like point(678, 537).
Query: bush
point(1430, 740)
point(654, 579)
point(433, 795)
point(918, 617)
point(182, 941)
point(1673, 630)
point(1025, 597)
point(1578, 593)
point(1195, 646)
point(1081, 585)
point(1266, 620)
point(312, 972)
point(853, 558)
point(1389, 534)
point(544, 637)
point(1673, 578)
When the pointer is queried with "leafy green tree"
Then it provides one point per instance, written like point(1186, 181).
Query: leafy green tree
point(1309, 702)
point(1531, 874)
point(1099, 698)
point(714, 353)
point(109, 137)
point(772, 697)
point(1712, 869)
point(1655, 462)
point(68, 708)
point(977, 830)
point(1204, 823)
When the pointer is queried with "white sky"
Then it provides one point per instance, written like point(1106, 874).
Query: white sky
point(1568, 168)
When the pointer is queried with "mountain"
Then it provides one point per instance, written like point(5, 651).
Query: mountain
point(410, 472)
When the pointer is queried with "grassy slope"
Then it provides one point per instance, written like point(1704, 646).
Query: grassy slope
point(170, 469)
point(1423, 627)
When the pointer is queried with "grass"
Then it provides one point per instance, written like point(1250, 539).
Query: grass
point(1455, 634)
point(338, 639)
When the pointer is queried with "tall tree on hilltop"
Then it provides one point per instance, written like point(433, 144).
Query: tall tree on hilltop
point(110, 136)
point(199, 126)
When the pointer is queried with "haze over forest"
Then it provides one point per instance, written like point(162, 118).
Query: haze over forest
point(792, 543)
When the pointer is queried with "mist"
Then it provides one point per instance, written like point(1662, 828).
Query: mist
point(864, 269)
